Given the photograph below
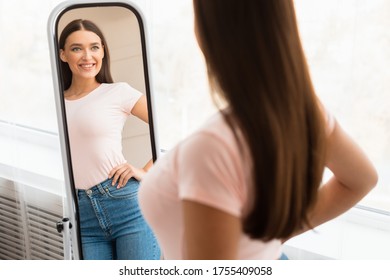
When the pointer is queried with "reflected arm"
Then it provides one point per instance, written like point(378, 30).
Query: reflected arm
point(123, 172)
point(148, 165)
point(140, 109)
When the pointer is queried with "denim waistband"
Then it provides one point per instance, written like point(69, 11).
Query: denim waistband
point(99, 187)
point(96, 187)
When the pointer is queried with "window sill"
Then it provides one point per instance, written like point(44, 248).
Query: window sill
point(31, 157)
point(358, 234)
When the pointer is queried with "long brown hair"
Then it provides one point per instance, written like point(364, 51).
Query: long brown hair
point(256, 63)
point(104, 75)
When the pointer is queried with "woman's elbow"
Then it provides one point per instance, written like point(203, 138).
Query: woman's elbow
point(368, 180)
point(373, 179)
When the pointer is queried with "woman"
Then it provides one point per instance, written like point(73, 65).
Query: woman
point(111, 224)
point(250, 177)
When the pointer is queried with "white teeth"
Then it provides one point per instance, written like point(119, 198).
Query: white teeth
point(86, 65)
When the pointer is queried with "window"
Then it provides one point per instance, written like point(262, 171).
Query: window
point(180, 82)
point(26, 84)
point(346, 43)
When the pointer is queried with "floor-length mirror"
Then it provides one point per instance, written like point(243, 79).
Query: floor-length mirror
point(105, 122)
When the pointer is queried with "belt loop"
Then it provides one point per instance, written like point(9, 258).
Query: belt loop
point(101, 188)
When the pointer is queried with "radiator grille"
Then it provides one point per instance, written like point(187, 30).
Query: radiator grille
point(11, 230)
point(44, 240)
point(27, 223)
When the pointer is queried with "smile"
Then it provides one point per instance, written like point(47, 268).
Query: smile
point(87, 66)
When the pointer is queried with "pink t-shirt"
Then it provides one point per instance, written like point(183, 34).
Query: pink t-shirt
point(210, 168)
point(95, 123)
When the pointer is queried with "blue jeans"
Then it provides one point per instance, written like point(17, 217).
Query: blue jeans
point(112, 226)
point(283, 257)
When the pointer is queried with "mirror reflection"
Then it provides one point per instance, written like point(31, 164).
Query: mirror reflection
point(105, 90)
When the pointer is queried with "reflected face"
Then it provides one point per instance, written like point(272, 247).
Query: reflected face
point(84, 53)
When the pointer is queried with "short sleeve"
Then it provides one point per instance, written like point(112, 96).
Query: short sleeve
point(209, 173)
point(129, 97)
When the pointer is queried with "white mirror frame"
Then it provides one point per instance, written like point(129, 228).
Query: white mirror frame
point(72, 241)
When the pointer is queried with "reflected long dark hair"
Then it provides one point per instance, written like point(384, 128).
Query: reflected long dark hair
point(104, 75)
point(256, 63)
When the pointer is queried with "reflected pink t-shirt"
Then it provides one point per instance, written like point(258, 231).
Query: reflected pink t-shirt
point(95, 123)
point(208, 167)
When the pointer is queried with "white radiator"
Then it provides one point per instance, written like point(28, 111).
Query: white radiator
point(28, 218)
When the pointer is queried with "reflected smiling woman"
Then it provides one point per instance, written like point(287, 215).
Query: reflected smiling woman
point(111, 224)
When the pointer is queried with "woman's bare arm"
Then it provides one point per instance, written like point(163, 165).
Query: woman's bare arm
point(354, 176)
point(140, 109)
point(209, 234)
